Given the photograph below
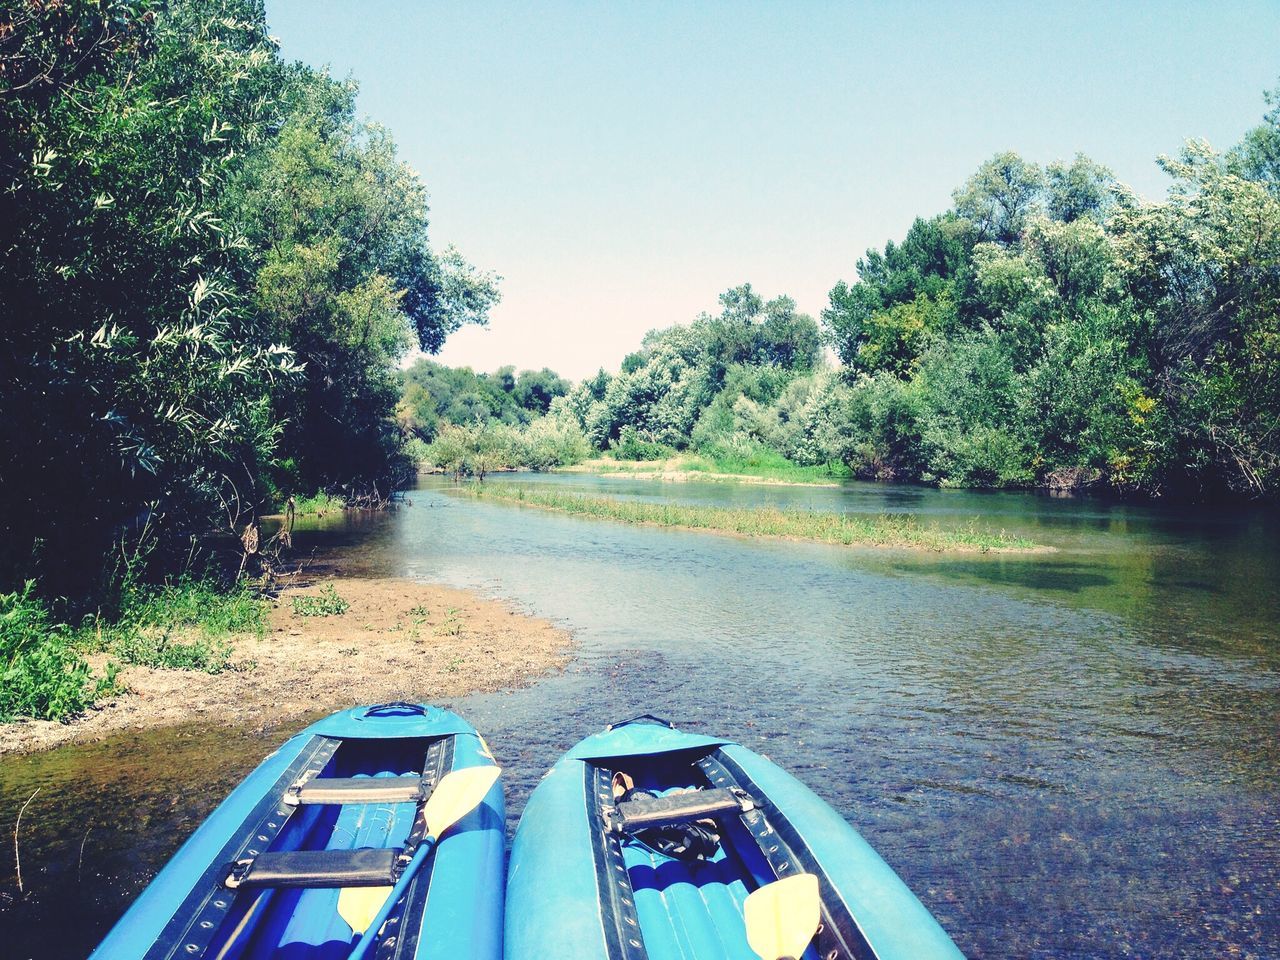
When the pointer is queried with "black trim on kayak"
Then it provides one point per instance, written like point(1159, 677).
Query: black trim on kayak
point(622, 937)
point(643, 718)
point(839, 935)
point(403, 928)
point(195, 923)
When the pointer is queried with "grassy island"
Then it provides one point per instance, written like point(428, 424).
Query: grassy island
point(864, 530)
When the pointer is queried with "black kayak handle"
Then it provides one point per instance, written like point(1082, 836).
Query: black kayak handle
point(396, 706)
point(643, 718)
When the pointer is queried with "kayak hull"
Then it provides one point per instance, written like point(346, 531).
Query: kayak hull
point(577, 889)
point(453, 907)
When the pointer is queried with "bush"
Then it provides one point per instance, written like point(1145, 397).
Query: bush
point(631, 445)
point(880, 436)
point(157, 648)
point(552, 442)
point(42, 677)
point(327, 604)
point(197, 604)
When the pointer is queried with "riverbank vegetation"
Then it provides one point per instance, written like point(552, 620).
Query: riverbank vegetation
point(1051, 329)
point(185, 624)
point(210, 271)
point(387, 639)
point(848, 529)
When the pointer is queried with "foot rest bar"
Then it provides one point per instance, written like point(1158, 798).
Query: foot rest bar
point(644, 813)
point(357, 790)
point(366, 867)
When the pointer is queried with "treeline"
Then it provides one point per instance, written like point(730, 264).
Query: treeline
point(433, 397)
point(210, 268)
point(1051, 329)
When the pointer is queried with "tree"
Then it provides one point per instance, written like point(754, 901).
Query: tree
point(1081, 189)
point(861, 323)
point(1000, 197)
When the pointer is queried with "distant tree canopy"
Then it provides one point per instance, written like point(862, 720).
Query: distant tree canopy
point(209, 269)
point(1055, 328)
point(663, 390)
point(1050, 329)
point(434, 396)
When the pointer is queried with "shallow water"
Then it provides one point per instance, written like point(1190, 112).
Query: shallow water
point(1070, 754)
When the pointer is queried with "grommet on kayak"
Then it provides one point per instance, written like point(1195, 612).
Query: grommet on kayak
point(378, 831)
point(647, 842)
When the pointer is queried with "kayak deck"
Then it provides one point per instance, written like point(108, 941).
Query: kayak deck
point(683, 907)
point(307, 920)
point(341, 805)
point(693, 908)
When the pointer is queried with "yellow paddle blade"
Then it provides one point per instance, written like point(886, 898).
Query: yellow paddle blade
point(359, 905)
point(783, 916)
point(456, 795)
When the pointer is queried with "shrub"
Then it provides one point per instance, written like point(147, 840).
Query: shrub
point(41, 674)
point(632, 445)
point(157, 648)
point(327, 604)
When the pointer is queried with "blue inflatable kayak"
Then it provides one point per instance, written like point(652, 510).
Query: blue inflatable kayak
point(645, 842)
point(320, 835)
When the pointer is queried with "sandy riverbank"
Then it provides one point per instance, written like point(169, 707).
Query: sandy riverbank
point(397, 640)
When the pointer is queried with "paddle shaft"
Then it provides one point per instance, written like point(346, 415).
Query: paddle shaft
point(365, 943)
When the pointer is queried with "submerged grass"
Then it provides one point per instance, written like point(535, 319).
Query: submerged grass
point(770, 466)
point(879, 530)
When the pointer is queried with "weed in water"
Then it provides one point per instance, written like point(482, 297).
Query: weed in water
point(326, 604)
point(881, 530)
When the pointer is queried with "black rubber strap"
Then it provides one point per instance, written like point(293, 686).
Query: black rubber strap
point(200, 916)
point(403, 929)
point(363, 867)
point(643, 813)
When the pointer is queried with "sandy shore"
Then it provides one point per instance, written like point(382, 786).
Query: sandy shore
point(398, 640)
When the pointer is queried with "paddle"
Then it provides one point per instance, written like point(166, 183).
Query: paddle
point(783, 916)
point(456, 795)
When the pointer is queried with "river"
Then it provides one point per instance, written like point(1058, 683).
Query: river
point(1066, 754)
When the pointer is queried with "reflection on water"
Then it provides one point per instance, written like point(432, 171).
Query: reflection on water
point(1066, 755)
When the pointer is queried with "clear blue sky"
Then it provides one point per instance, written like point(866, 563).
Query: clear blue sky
point(622, 163)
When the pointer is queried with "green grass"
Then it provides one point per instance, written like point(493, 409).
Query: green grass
point(880, 530)
point(319, 503)
point(767, 465)
point(42, 673)
point(326, 604)
point(183, 625)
